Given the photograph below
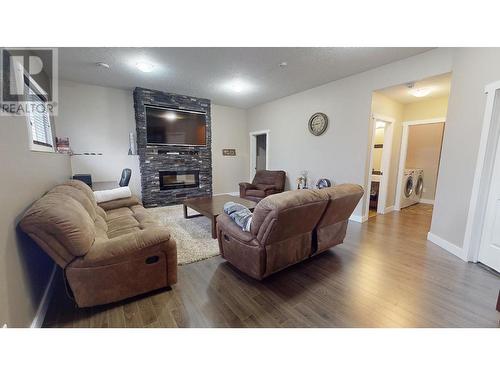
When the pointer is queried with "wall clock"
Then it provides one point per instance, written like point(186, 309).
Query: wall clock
point(318, 123)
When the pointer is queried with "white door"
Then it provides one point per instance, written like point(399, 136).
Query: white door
point(489, 251)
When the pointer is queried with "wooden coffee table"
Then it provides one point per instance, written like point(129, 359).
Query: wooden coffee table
point(212, 207)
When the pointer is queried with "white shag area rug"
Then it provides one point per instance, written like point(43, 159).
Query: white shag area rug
point(193, 236)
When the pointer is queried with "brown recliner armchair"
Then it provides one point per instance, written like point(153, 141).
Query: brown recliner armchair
point(108, 252)
point(288, 228)
point(264, 183)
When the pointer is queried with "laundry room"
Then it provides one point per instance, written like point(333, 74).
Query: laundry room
point(406, 132)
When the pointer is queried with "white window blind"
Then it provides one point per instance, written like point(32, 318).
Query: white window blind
point(39, 119)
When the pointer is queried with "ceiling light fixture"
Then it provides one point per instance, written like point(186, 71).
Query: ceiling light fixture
point(283, 64)
point(145, 66)
point(238, 86)
point(421, 92)
point(102, 65)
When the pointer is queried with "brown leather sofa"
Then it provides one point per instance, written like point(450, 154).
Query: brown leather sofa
point(264, 183)
point(108, 252)
point(288, 228)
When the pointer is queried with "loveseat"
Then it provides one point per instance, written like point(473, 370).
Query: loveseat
point(108, 252)
point(288, 228)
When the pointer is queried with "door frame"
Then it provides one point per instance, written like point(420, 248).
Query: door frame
point(404, 151)
point(482, 176)
point(385, 166)
point(253, 144)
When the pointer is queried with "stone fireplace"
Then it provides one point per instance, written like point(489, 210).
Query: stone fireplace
point(172, 173)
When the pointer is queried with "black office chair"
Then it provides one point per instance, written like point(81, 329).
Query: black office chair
point(125, 179)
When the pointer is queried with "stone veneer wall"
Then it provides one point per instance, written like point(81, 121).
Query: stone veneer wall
point(153, 158)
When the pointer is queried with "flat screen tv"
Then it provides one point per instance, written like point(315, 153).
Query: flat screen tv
point(169, 126)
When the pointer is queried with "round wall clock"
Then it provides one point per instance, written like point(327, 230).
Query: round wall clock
point(318, 123)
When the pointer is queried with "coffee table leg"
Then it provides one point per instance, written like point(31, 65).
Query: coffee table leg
point(186, 216)
point(214, 227)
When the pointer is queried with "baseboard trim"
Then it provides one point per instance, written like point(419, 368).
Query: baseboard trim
point(237, 193)
point(446, 245)
point(358, 218)
point(44, 302)
point(427, 201)
point(388, 209)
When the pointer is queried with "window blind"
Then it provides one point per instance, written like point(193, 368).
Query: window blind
point(39, 118)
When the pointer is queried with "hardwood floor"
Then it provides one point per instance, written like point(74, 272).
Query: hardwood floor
point(386, 274)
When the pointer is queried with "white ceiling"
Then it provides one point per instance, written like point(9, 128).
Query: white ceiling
point(206, 72)
point(439, 86)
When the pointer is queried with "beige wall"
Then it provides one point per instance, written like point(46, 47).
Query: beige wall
point(427, 109)
point(423, 152)
point(26, 175)
point(229, 130)
point(99, 119)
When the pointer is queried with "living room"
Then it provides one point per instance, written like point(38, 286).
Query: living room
point(229, 187)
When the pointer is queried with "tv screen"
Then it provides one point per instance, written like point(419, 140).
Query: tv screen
point(175, 127)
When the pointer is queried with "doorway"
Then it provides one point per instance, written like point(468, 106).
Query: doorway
point(259, 151)
point(380, 158)
point(419, 157)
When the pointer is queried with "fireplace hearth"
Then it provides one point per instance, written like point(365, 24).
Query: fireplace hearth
point(179, 179)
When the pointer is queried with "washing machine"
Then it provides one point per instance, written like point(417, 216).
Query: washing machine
point(418, 176)
point(408, 188)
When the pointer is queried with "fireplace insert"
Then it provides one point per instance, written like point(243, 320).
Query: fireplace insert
point(179, 179)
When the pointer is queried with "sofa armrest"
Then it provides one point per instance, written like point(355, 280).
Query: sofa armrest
point(229, 227)
point(244, 186)
point(118, 203)
point(114, 250)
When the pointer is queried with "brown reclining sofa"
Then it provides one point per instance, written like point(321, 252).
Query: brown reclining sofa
point(108, 252)
point(288, 228)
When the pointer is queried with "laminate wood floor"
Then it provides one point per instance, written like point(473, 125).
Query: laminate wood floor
point(386, 274)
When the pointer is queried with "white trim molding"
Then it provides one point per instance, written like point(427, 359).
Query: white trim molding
point(426, 201)
point(386, 161)
point(358, 218)
point(482, 177)
point(230, 193)
point(388, 209)
point(446, 245)
point(44, 302)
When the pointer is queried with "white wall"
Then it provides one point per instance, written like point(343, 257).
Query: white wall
point(26, 176)
point(99, 119)
point(473, 68)
point(342, 153)
point(229, 130)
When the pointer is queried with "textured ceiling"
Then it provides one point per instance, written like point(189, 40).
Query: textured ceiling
point(439, 86)
point(208, 72)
